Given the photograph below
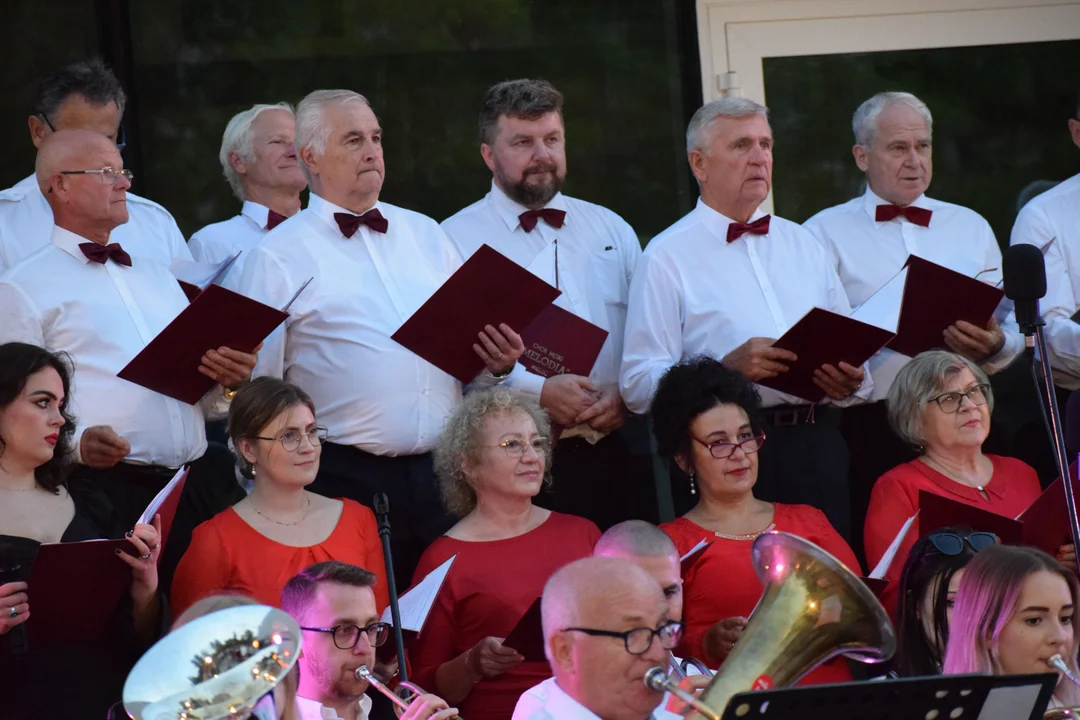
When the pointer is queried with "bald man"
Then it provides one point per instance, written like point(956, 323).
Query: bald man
point(648, 547)
point(85, 294)
point(605, 623)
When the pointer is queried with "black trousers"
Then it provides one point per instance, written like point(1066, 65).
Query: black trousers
point(210, 488)
point(417, 514)
point(600, 482)
point(799, 464)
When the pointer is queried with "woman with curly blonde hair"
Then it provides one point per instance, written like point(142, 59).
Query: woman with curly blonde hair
point(492, 459)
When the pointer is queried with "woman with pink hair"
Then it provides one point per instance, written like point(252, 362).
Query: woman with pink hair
point(1014, 611)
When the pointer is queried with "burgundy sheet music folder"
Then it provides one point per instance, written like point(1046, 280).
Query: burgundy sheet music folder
point(936, 297)
point(488, 289)
point(559, 342)
point(527, 637)
point(217, 317)
point(823, 337)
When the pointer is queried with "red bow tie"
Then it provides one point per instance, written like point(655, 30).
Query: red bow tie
point(758, 227)
point(273, 219)
point(100, 253)
point(554, 218)
point(917, 215)
point(350, 223)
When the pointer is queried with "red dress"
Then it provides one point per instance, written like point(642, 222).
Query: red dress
point(488, 590)
point(722, 583)
point(228, 555)
point(1013, 486)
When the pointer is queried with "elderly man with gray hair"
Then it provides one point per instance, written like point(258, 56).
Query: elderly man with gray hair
point(373, 264)
point(725, 281)
point(258, 158)
point(868, 240)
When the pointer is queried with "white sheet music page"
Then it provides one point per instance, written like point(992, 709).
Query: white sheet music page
point(416, 603)
point(694, 550)
point(887, 559)
point(151, 510)
point(882, 309)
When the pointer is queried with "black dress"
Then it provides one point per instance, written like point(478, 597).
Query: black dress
point(80, 680)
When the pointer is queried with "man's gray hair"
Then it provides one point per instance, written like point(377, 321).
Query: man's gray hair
point(864, 121)
point(312, 131)
point(699, 132)
point(635, 538)
point(919, 382)
point(90, 78)
point(238, 138)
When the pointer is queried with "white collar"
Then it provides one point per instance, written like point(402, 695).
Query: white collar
point(510, 210)
point(69, 242)
point(560, 704)
point(716, 222)
point(314, 710)
point(258, 214)
point(324, 209)
point(871, 200)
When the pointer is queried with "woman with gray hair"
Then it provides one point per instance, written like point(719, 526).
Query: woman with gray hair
point(492, 459)
point(940, 403)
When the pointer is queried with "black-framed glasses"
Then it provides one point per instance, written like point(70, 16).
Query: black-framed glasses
point(109, 175)
point(291, 439)
point(724, 450)
point(953, 544)
point(517, 448)
point(639, 640)
point(950, 402)
point(121, 136)
point(346, 636)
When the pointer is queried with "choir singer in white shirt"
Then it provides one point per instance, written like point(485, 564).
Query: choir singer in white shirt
point(589, 253)
point(868, 239)
point(83, 95)
point(373, 265)
point(258, 158)
point(85, 295)
point(726, 281)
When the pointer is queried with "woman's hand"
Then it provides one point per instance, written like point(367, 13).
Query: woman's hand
point(490, 658)
point(1066, 555)
point(13, 598)
point(720, 639)
point(144, 573)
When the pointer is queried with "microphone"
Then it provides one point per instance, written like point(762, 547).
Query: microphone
point(1024, 272)
point(11, 571)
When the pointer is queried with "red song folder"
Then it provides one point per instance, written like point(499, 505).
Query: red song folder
point(488, 289)
point(194, 277)
point(823, 337)
point(936, 512)
point(936, 297)
point(559, 342)
point(527, 637)
point(217, 317)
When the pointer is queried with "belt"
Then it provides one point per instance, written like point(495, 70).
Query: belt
point(155, 470)
point(788, 415)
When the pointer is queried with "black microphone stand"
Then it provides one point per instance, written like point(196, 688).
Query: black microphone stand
point(382, 513)
point(1052, 419)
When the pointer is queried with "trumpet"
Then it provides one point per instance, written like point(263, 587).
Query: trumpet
point(1062, 667)
point(656, 679)
point(401, 704)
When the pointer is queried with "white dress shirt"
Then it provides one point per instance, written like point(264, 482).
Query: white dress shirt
point(371, 392)
point(867, 254)
point(548, 700)
point(314, 710)
point(26, 224)
point(696, 294)
point(1055, 214)
point(103, 316)
point(597, 253)
point(216, 243)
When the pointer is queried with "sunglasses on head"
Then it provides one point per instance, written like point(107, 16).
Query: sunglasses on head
point(952, 544)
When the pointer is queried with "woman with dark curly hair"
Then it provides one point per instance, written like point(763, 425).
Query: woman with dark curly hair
point(38, 505)
point(492, 459)
point(705, 418)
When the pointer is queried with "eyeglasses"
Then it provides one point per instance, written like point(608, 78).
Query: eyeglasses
point(347, 636)
point(291, 439)
point(517, 448)
point(950, 402)
point(121, 136)
point(953, 544)
point(639, 640)
point(724, 450)
point(109, 175)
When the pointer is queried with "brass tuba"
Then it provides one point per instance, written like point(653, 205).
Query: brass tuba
point(812, 609)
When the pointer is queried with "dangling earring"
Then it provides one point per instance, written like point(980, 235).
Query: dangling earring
point(693, 485)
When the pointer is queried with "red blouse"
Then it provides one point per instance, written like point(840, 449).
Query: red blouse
point(1013, 486)
point(722, 583)
point(487, 591)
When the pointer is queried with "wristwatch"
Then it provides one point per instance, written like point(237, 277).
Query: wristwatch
point(504, 374)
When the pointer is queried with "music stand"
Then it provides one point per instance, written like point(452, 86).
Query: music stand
point(940, 697)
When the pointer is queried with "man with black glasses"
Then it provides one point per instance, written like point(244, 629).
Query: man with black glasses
point(83, 95)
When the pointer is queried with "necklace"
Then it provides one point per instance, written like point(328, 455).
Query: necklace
point(935, 465)
point(297, 522)
point(746, 536)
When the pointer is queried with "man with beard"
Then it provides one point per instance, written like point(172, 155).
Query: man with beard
point(335, 607)
point(589, 253)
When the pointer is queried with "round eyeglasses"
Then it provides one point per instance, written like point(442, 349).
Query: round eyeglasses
point(291, 439)
point(639, 640)
point(950, 402)
point(347, 636)
point(953, 544)
point(724, 450)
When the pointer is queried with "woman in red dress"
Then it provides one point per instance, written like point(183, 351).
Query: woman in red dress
point(705, 417)
point(492, 460)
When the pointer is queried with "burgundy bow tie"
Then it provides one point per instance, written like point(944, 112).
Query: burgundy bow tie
point(758, 227)
point(554, 218)
point(100, 253)
point(917, 215)
point(350, 223)
point(273, 219)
